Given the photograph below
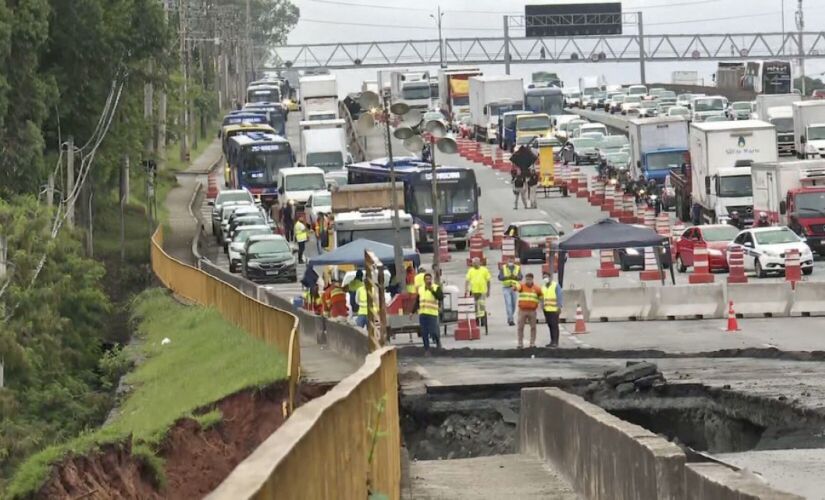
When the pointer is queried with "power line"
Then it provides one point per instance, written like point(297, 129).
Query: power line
point(397, 26)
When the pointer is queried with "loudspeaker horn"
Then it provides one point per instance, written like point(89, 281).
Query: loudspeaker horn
point(411, 119)
point(447, 145)
point(400, 108)
point(414, 144)
point(365, 123)
point(436, 128)
point(403, 133)
point(369, 100)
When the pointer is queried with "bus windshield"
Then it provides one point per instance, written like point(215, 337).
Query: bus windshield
point(550, 104)
point(264, 95)
point(416, 91)
point(261, 167)
point(533, 123)
point(453, 199)
point(497, 109)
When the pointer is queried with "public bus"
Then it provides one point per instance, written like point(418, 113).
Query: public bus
point(762, 77)
point(275, 113)
point(254, 162)
point(548, 100)
point(458, 194)
point(231, 131)
point(264, 92)
point(236, 118)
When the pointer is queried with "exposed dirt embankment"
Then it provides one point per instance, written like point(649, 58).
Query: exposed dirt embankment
point(195, 458)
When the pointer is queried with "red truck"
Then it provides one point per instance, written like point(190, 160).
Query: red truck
point(793, 194)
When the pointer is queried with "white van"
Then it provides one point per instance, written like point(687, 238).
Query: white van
point(299, 183)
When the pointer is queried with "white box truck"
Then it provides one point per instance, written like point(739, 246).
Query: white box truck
point(411, 88)
point(319, 97)
point(454, 90)
point(777, 109)
point(793, 194)
point(722, 154)
point(809, 128)
point(657, 145)
point(324, 145)
point(490, 96)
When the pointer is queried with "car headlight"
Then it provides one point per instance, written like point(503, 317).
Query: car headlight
point(771, 253)
point(253, 265)
point(632, 251)
point(714, 252)
point(290, 262)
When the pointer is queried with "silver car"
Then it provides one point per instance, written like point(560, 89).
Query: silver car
point(227, 196)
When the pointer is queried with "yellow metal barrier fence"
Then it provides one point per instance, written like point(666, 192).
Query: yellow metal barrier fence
point(274, 326)
point(342, 445)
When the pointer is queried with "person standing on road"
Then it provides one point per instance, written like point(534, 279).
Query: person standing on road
point(356, 283)
point(419, 278)
point(301, 237)
point(477, 284)
point(532, 187)
point(519, 190)
point(510, 275)
point(427, 304)
point(409, 280)
point(288, 220)
point(528, 302)
point(361, 297)
point(551, 299)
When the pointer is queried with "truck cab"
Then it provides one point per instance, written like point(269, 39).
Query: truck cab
point(507, 127)
point(374, 224)
point(529, 126)
point(731, 190)
point(324, 145)
point(657, 145)
point(299, 183)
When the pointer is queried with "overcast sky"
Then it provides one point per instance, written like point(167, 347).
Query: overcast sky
point(326, 21)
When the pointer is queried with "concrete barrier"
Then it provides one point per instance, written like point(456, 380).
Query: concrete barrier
point(761, 299)
point(690, 301)
point(347, 340)
point(602, 456)
point(621, 303)
point(808, 299)
point(710, 481)
point(571, 297)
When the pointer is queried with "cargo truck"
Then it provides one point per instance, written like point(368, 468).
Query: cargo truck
point(721, 155)
point(411, 88)
point(324, 145)
point(809, 129)
point(793, 194)
point(777, 109)
point(364, 211)
point(319, 97)
point(546, 79)
point(454, 90)
point(656, 146)
point(490, 97)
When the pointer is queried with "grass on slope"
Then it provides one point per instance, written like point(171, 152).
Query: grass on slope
point(206, 360)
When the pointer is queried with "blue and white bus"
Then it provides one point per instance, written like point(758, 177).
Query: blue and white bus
point(548, 100)
point(458, 194)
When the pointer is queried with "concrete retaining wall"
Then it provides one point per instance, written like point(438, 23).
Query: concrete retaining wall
point(706, 301)
point(622, 303)
point(571, 298)
point(808, 299)
point(601, 455)
point(761, 299)
point(710, 481)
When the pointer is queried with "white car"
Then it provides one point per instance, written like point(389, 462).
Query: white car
point(237, 245)
point(679, 111)
point(319, 202)
point(764, 249)
point(631, 102)
point(238, 211)
point(227, 209)
point(227, 196)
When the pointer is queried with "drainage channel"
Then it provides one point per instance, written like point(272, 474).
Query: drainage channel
point(451, 422)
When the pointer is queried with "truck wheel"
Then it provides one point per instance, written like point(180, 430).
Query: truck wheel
point(757, 267)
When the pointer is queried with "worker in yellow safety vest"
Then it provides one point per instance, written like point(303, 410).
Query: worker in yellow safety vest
point(551, 305)
point(427, 303)
point(477, 285)
point(509, 275)
point(301, 237)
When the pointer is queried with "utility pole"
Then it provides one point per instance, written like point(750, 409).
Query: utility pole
point(160, 140)
point(398, 255)
point(437, 18)
point(251, 65)
point(800, 26)
point(506, 45)
point(436, 235)
point(184, 58)
point(642, 47)
point(69, 181)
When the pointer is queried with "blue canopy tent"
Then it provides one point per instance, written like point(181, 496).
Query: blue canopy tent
point(353, 253)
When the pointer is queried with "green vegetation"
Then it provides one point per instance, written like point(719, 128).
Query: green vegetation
point(168, 384)
point(62, 317)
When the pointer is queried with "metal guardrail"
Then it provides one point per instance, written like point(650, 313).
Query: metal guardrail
point(274, 326)
point(345, 444)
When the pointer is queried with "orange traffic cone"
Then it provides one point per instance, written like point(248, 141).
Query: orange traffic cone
point(581, 327)
point(733, 325)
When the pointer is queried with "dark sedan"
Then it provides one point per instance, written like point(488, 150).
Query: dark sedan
point(531, 238)
point(628, 258)
point(269, 259)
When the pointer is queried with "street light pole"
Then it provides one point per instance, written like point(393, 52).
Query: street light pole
point(398, 255)
point(436, 243)
point(437, 18)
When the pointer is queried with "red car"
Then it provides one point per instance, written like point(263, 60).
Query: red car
point(716, 236)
